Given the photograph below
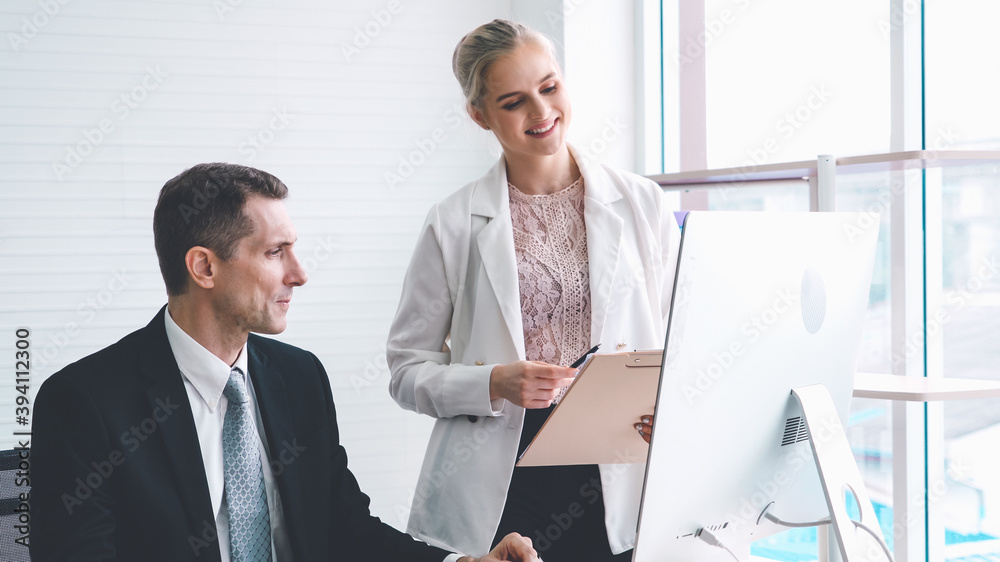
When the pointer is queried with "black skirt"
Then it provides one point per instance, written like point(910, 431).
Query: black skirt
point(560, 508)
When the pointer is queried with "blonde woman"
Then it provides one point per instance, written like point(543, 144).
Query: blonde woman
point(514, 277)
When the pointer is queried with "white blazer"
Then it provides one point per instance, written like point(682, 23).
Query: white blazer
point(460, 315)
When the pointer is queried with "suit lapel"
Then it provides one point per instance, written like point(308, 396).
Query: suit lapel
point(178, 431)
point(496, 248)
point(604, 237)
point(275, 415)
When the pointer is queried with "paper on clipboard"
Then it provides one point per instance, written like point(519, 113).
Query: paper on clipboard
point(594, 422)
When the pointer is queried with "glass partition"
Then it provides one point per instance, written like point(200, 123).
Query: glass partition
point(969, 321)
point(761, 196)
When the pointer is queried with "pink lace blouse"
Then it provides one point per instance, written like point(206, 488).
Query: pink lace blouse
point(550, 244)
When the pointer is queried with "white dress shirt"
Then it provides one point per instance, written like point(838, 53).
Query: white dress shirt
point(205, 377)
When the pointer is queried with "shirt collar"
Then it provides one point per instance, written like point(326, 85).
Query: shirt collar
point(206, 372)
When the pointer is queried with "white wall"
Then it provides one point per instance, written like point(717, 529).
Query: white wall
point(601, 74)
point(333, 109)
point(333, 98)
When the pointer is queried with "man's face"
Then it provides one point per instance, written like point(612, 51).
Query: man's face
point(253, 289)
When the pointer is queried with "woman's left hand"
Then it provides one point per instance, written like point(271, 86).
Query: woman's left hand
point(645, 427)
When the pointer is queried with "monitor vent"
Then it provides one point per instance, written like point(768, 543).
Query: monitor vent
point(795, 431)
point(711, 528)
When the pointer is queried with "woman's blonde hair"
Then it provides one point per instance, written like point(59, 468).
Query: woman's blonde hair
point(478, 50)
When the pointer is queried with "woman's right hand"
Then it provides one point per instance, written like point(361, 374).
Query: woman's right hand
point(529, 384)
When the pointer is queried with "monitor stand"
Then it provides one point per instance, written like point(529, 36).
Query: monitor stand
point(840, 476)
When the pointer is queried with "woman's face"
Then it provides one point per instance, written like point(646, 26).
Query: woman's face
point(526, 104)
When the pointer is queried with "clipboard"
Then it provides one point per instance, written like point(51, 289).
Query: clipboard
point(594, 423)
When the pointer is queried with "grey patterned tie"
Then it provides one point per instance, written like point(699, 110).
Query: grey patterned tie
point(249, 523)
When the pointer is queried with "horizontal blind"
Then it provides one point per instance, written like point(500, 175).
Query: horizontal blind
point(351, 104)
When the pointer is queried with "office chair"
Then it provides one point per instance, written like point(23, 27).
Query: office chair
point(9, 501)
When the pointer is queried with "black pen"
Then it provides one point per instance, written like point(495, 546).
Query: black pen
point(580, 361)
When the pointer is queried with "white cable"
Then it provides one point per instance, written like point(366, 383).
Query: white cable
point(783, 523)
point(881, 542)
point(859, 524)
point(710, 538)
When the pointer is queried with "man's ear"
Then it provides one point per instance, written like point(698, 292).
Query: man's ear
point(201, 266)
point(477, 116)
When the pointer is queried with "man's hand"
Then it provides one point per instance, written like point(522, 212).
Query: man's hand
point(513, 548)
point(529, 384)
point(645, 427)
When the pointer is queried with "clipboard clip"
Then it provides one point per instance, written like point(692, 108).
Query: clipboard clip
point(644, 359)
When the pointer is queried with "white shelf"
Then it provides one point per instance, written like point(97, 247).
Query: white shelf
point(914, 159)
point(922, 389)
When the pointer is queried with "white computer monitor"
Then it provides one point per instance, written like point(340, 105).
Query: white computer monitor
point(762, 303)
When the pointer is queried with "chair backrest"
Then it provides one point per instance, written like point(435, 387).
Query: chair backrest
point(12, 512)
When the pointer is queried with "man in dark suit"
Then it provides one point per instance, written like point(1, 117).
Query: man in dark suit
point(193, 438)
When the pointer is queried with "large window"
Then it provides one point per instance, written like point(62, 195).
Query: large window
point(963, 85)
point(970, 326)
point(787, 80)
point(962, 78)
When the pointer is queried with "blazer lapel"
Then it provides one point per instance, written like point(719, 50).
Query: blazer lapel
point(178, 431)
point(496, 248)
point(604, 237)
point(275, 412)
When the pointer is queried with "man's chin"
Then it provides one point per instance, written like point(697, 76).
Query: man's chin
point(271, 327)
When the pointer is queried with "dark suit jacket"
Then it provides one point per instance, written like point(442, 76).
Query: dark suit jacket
point(117, 473)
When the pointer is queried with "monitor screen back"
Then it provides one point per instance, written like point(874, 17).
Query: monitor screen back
point(762, 303)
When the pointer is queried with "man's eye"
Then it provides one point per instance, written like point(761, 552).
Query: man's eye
point(275, 252)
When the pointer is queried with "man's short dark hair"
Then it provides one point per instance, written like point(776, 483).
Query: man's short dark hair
point(204, 206)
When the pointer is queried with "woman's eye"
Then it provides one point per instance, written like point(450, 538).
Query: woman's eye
point(512, 105)
point(549, 90)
